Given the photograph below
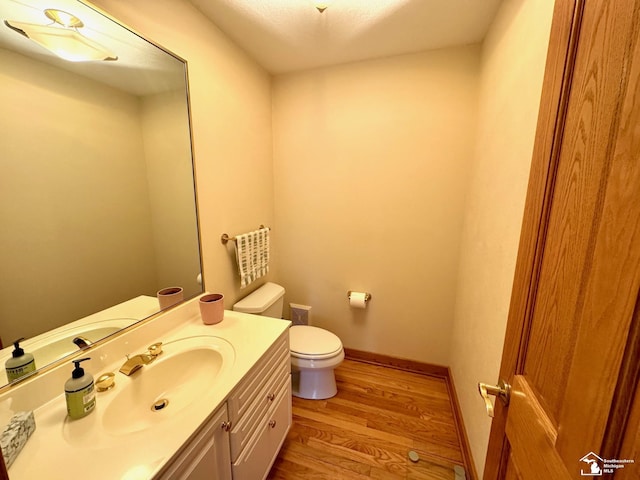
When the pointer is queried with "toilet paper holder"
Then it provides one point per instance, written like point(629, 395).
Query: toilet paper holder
point(367, 296)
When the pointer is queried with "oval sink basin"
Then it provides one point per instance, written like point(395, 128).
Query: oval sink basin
point(184, 374)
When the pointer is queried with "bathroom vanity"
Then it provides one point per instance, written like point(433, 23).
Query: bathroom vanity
point(216, 403)
point(243, 437)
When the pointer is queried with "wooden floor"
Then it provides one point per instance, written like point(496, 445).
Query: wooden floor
point(368, 428)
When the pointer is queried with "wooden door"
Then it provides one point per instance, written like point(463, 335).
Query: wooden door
point(573, 336)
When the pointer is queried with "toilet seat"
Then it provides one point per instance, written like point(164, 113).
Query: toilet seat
point(309, 364)
point(313, 343)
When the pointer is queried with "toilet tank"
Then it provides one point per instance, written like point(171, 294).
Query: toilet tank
point(267, 301)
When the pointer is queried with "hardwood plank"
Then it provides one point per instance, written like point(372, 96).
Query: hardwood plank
point(381, 474)
point(437, 429)
point(423, 470)
point(368, 441)
point(333, 407)
point(394, 377)
point(284, 469)
point(407, 411)
point(394, 362)
point(368, 428)
point(402, 392)
point(430, 471)
point(438, 452)
point(324, 460)
point(415, 392)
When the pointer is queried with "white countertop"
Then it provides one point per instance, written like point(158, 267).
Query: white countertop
point(58, 452)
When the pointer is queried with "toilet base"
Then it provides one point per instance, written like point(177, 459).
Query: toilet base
point(313, 384)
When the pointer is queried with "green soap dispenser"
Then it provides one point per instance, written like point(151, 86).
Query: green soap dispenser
point(79, 392)
point(20, 364)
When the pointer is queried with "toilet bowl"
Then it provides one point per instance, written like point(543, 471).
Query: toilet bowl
point(315, 352)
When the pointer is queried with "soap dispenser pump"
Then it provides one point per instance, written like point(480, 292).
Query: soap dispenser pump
point(20, 364)
point(79, 392)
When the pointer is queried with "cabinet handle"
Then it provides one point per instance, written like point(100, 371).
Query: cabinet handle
point(271, 397)
point(226, 426)
point(272, 424)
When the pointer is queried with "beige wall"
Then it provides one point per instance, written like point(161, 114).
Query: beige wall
point(513, 58)
point(66, 192)
point(166, 139)
point(231, 114)
point(370, 165)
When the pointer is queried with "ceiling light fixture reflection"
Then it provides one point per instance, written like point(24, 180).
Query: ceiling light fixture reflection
point(63, 38)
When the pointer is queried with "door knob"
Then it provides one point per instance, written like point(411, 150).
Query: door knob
point(502, 391)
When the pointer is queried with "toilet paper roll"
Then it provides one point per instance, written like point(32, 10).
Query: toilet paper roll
point(358, 299)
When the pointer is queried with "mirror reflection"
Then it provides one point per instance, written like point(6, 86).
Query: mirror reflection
point(97, 198)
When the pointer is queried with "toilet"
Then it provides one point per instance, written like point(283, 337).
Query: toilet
point(315, 352)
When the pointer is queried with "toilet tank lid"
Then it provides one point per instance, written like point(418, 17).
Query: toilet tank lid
point(261, 299)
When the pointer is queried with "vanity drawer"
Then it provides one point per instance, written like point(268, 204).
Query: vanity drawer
point(265, 443)
point(241, 399)
point(265, 400)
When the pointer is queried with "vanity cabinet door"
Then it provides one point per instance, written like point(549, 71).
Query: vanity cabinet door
point(206, 457)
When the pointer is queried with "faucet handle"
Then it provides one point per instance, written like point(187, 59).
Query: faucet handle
point(155, 349)
point(106, 382)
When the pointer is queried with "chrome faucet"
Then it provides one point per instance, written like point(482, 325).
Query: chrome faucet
point(133, 364)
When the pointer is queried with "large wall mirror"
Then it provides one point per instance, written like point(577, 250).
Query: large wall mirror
point(97, 201)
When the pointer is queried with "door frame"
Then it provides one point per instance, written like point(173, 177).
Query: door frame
point(559, 68)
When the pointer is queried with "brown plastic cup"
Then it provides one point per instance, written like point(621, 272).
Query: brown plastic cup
point(168, 297)
point(212, 308)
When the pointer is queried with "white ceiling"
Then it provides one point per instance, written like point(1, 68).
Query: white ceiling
point(290, 35)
